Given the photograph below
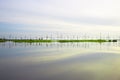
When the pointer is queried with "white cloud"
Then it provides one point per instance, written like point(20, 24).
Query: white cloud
point(63, 15)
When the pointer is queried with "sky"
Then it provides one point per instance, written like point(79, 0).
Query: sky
point(60, 16)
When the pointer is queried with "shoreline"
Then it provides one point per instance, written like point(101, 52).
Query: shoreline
point(61, 41)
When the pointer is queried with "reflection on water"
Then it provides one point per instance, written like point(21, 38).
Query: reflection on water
point(61, 45)
point(59, 61)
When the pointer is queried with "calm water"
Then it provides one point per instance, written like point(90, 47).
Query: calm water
point(59, 61)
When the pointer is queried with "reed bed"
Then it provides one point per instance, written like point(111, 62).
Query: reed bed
point(99, 40)
point(61, 41)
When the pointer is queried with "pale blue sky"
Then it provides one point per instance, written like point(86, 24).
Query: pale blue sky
point(60, 15)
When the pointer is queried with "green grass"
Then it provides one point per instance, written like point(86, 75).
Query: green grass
point(61, 41)
point(29, 40)
point(99, 40)
point(2, 40)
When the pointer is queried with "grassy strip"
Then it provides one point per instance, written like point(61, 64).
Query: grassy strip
point(30, 41)
point(2, 40)
point(62, 41)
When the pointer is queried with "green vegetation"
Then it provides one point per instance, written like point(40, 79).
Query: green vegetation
point(99, 40)
point(112, 40)
point(61, 41)
point(2, 40)
point(29, 40)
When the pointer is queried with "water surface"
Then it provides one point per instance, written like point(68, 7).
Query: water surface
point(59, 61)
